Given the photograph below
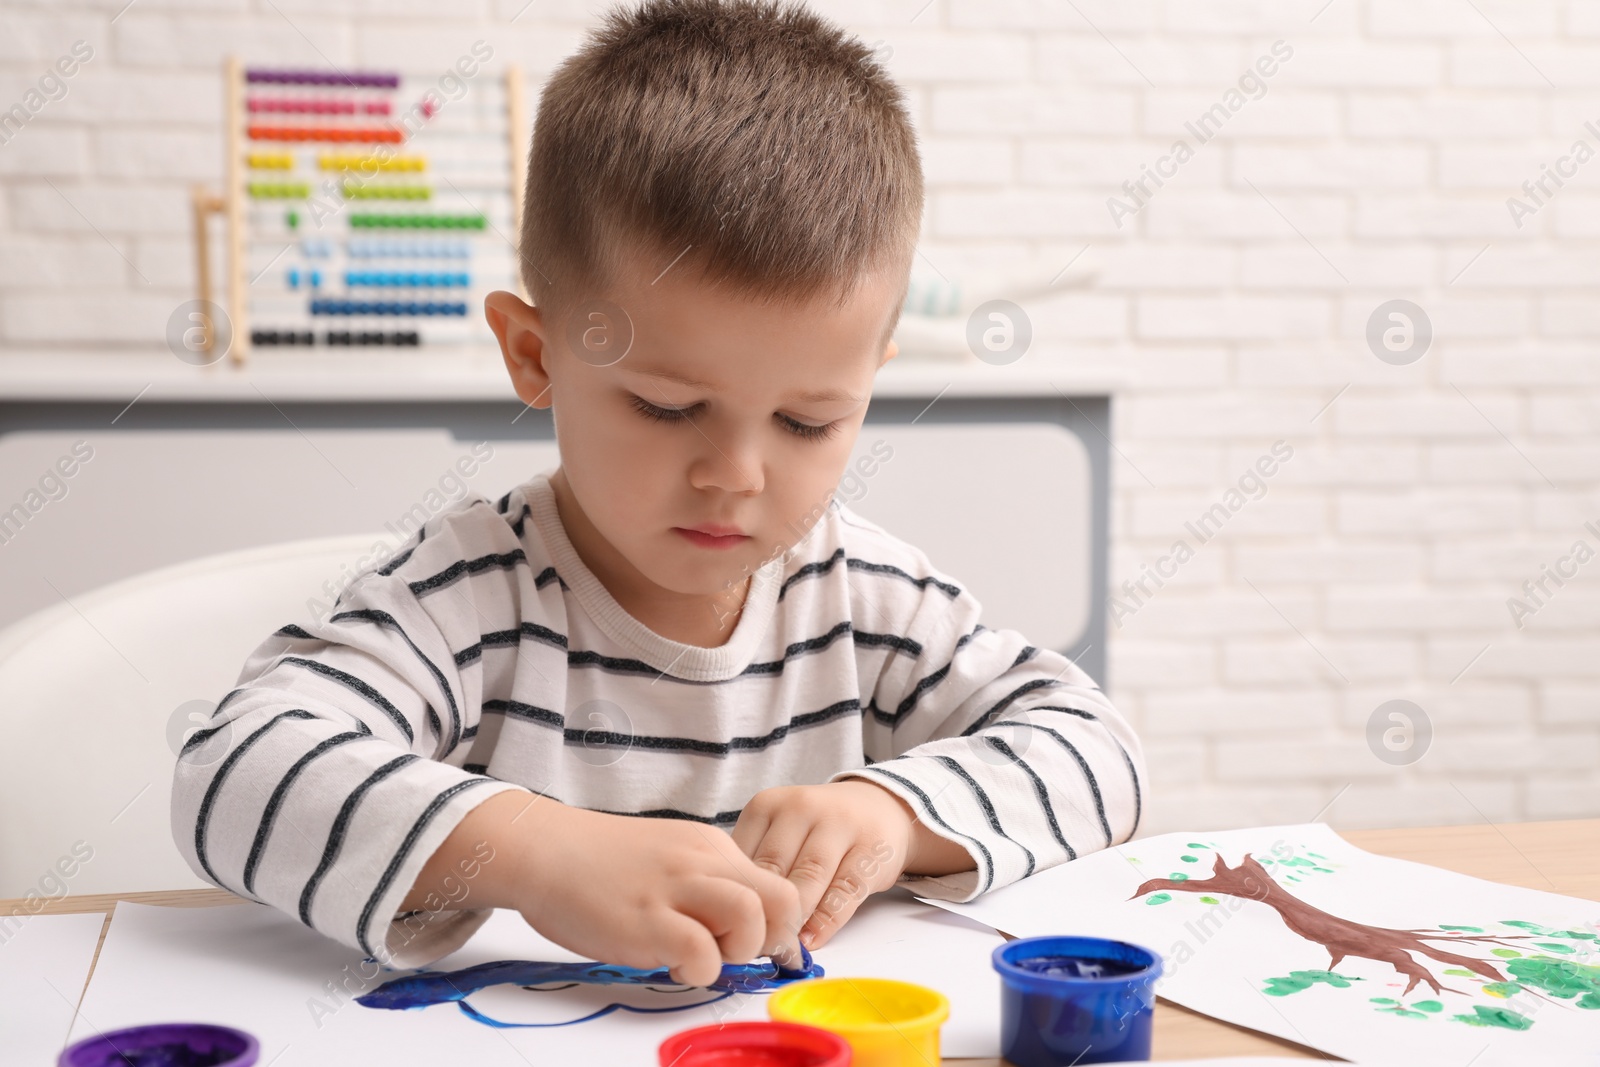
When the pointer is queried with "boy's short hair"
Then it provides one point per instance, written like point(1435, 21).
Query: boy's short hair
point(761, 137)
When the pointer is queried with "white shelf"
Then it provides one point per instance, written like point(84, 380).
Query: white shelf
point(444, 375)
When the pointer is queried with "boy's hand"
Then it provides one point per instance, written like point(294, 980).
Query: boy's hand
point(651, 893)
point(838, 843)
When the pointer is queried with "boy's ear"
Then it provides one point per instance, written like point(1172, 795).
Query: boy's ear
point(520, 329)
point(890, 350)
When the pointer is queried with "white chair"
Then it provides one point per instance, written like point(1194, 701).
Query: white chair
point(92, 702)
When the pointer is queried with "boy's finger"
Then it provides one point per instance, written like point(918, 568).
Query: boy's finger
point(750, 828)
point(692, 953)
point(816, 866)
point(779, 844)
point(780, 901)
point(731, 910)
point(849, 887)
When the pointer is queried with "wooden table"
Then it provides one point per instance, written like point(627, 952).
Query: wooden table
point(1557, 857)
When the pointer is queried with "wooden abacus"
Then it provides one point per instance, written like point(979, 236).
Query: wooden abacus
point(346, 133)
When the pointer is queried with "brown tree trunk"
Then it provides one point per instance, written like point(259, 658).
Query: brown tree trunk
point(1340, 937)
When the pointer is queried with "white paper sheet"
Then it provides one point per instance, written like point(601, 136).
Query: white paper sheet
point(254, 968)
point(43, 963)
point(1220, 951)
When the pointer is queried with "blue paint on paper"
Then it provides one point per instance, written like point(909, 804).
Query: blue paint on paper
point(426, 988)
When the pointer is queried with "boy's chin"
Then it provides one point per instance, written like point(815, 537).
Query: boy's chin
point(703, 578)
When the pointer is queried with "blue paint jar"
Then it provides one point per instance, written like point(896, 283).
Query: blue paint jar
point(1066, 1000)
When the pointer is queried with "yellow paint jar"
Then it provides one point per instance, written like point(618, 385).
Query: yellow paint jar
point(887, 1023)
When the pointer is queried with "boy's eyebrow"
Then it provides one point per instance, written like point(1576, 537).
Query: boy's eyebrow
point(815, 396)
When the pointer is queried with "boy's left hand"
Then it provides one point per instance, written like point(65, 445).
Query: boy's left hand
point(838, 843)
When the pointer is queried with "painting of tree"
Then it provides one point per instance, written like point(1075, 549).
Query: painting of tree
point(1548, 963)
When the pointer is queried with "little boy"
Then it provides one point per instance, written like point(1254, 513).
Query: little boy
point(671, 701)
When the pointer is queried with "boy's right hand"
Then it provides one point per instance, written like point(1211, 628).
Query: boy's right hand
point(650, 893)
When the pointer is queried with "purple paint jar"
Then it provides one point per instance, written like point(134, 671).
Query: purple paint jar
point(165, 1045)
point(1066, 1000)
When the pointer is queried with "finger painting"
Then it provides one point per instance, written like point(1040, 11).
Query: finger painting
point(1489, 964)
point(641, 991)
point(1294, 932)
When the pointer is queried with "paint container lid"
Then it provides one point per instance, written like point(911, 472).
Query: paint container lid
point(755, 1044)
point(1060, 964)
point(165, 1045)
point(888, 1023)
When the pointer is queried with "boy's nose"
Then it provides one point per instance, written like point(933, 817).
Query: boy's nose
point(728, 464)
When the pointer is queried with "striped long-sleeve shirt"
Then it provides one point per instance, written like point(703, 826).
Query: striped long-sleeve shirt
point(487, 657)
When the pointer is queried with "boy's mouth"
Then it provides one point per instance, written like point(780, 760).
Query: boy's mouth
point(712, 535)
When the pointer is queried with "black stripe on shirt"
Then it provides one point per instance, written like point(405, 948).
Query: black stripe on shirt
point(341, 822)
point(611, 664)
point(383, 618)
point(892, 641)
point(1039, 791)
point(502, 561)
point(1083, 765)
point(359, 687)
point(826, 566)
point(1079, 712)
point(269, 814)
point(292, 630)
point(518, 523)
point(1006, 701)
point(203, 818)
point(399, 857)
point(529, 712)
point(608, 739)
point(436, 726)
point(951, 591)
point(396, 563)
point(988, 807)
point(802, 573)
point(1134, 774)
point(909, 703)
point(510, 639)
point(200, 735)
point(721, 818)
point(927, 804)
point(799, 648)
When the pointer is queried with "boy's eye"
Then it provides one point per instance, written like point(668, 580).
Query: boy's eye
point(794, 426)
point(660, 414)
point(808, 431)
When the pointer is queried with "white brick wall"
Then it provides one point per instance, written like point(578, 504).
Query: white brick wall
point(1377, 165)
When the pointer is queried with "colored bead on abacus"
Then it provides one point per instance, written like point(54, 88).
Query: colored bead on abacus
point(385, 307)
point(343, 79)
point(459, 222)
point(358, 191)
point(345, 161)
point(324, 133)
point(278, 190)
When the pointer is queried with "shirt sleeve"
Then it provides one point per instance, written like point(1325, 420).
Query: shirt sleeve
point(1010, 750)
point(329, 775)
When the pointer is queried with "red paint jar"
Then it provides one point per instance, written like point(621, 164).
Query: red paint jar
point(755, 1044)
